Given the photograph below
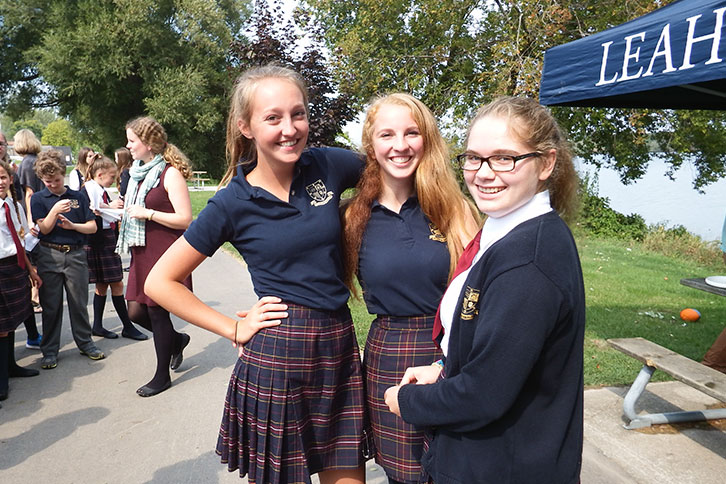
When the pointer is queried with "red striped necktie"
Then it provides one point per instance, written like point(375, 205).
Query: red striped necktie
point(467, 257)
point(14, 235)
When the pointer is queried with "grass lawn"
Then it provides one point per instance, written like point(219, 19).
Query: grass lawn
point(630, 292)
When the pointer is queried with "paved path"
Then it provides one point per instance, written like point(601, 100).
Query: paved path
point(83, 423)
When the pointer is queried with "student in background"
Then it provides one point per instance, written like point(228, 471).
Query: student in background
point(123, 162)
point(78, 175)
point(65, 220)
point(104, 264)
point(16, 272)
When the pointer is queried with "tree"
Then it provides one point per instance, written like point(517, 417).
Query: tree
point(60, 133)
point(457, 54)
point(104, 62)
point(277, 41)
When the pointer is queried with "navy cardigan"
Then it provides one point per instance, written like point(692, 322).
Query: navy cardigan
point(509, 409)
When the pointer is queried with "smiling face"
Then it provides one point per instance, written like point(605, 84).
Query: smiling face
point(397, 143)
point(278, 122)
point(500, 193)
point(139, 151)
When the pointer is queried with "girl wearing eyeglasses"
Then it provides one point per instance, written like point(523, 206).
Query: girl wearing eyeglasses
point(507, 405)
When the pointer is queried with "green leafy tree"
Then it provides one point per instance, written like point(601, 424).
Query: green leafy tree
point(104, 62)
point(457, 54)
point(60, 133)
point(275, 40)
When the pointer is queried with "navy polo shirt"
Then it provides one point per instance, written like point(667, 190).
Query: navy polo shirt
point(292, 250)
point(40, 205)
point(403, 263)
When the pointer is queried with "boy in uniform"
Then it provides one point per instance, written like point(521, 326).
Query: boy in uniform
point(64, 218)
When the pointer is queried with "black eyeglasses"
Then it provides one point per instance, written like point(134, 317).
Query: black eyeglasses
point(499, 163)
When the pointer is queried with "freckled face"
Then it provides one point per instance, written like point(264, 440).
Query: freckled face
point(278, 123)
point(397, 143)
point(500, 193)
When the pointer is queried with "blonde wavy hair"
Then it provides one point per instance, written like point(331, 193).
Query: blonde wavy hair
point(438, 192)
point(153, 135)
point(240, 149)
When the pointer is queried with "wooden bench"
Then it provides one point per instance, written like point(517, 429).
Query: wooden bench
point(199, 179)
point(655, 357)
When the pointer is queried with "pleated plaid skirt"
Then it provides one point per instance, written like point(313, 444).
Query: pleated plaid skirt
point(15, 304)
point(394, 344)
point(104, 264)
point(295, 403)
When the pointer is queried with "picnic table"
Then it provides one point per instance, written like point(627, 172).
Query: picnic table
point(199, 178)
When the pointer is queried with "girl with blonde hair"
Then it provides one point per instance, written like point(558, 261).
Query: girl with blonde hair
point(295, 404)
point(403, 233)
point(157, 211)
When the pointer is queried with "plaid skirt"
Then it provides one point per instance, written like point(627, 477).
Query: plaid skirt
point(15, 304)
point(104, 264)
point(295, 403)
point(394, 344)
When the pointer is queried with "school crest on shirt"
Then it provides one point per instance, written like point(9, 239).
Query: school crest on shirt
point(436, 234)
point(469, 306)
point(319, 193)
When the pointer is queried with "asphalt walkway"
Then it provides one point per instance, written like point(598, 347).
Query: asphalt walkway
point(83, 422)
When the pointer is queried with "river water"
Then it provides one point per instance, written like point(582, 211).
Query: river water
point(658, 199)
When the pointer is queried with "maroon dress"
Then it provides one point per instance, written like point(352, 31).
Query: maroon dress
point(158, 239)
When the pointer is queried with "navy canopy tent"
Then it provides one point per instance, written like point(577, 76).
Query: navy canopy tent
point(673, 57)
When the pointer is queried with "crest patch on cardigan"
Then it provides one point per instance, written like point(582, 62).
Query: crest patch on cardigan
point(469, 307)
point(436, 234)
point(319, 193)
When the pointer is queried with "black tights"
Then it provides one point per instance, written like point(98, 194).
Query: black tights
point(167, 340)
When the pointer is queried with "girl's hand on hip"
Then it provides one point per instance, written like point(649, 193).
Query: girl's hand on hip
point(267, 312)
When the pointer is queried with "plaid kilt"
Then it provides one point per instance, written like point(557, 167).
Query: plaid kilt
point(14, 294)
point(295, 403)
point(394, 344)
point(104, 264)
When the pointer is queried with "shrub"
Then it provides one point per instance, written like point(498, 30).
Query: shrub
point(598, 219)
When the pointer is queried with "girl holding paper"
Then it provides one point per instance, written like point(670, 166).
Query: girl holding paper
point(104, 265)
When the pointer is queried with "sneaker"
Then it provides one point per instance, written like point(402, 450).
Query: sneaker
point(49, 362)
point(94, 354)
point(33, 344)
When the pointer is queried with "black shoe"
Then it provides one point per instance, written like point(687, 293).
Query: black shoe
point(104, 333)
point(147, 391)
point(134, 333)
point(20, 372)
point(177, 358)
point(4, 394)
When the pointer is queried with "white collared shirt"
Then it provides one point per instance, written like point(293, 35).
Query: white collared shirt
point(95, 196)
point(7, 246)
point(494, 229)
